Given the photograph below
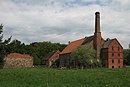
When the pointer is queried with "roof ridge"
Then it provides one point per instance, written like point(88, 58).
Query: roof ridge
point(82, 38)
point(78, 39)
point(74, 44)
point(18, 55)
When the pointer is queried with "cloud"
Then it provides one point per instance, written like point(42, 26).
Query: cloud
point(64, 20)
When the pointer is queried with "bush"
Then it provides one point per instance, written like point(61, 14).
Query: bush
point(84, 57)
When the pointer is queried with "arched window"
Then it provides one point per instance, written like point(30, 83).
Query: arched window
point(119, 54)
point(112, 48)
point(118, 48)
point(112, 60)
point(118, 60)
point(112, 54)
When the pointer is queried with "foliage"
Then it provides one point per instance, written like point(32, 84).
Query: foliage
point(84, 56)
point(3, 44)
point(43, 77)
point(37, 49)
point(16, 46)
point(126, 53)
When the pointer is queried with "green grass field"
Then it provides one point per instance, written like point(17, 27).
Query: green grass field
point(45, 77)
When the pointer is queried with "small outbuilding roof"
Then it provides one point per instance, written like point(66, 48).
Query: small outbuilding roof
point(50, 54)
point(17, 55)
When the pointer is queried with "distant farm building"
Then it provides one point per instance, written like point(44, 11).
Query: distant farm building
point(16, 60)
point(109, 51)
point(50, 58)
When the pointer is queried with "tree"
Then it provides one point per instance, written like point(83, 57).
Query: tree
point(39, 49)
point(126, 53)
point(16, 47)
point(84, 56)
point(3, 44)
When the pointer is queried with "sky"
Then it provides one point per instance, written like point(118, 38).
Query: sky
point(61, 21)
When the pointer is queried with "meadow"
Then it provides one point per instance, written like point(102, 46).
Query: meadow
point(48, 77)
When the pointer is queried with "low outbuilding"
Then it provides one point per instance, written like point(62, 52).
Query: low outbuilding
point(49, 59)
point(16, 60)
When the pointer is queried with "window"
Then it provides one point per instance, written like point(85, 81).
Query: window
point(112, 48)
point(118, 66)
point(118, 48)
point(112, 60)
point(112, 66)
point(119, 54)
point(118, 60)
point(112, 54)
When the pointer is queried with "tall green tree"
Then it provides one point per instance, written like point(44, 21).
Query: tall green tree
point(16, 46)
point(84, 56)
point(3, 44)
point(126, 53)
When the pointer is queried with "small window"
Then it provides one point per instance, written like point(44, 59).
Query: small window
point(118, 66)
point(112, 66)
point(112, 54)
point(118, 48)
point(112, 48)
point(118, 60)
point(119, 54)
point(112, 60)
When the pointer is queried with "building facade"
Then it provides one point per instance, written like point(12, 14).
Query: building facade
point(50, 59)
point(16, 60)
point(112, 54)
point(109, 51)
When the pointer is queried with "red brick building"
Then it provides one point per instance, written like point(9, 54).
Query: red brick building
point(112, 54)
point(109, 51)
point(50, 58)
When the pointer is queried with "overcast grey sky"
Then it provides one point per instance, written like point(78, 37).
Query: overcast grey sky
point(64, 20)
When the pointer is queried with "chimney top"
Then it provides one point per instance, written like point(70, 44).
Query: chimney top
point(97, 13)
point(108, 39)
point(68, 42)
point(1, 26)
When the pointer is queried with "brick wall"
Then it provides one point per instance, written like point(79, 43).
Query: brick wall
point(115, 64)
point(115, 54)
point(18, 62)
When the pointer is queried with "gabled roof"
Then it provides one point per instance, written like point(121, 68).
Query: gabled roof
point(50, 54)
point(88, 40)
point(108, 42)
point(74, 44)
point(17, 55)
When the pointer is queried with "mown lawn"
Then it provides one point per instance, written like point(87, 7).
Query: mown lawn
point(45, 77)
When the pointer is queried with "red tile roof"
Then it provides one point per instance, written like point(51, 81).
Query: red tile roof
point(55, 56)
point(72, 45)
point(17, 55)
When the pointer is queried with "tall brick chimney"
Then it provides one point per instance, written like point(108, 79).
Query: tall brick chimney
point(97, 34)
